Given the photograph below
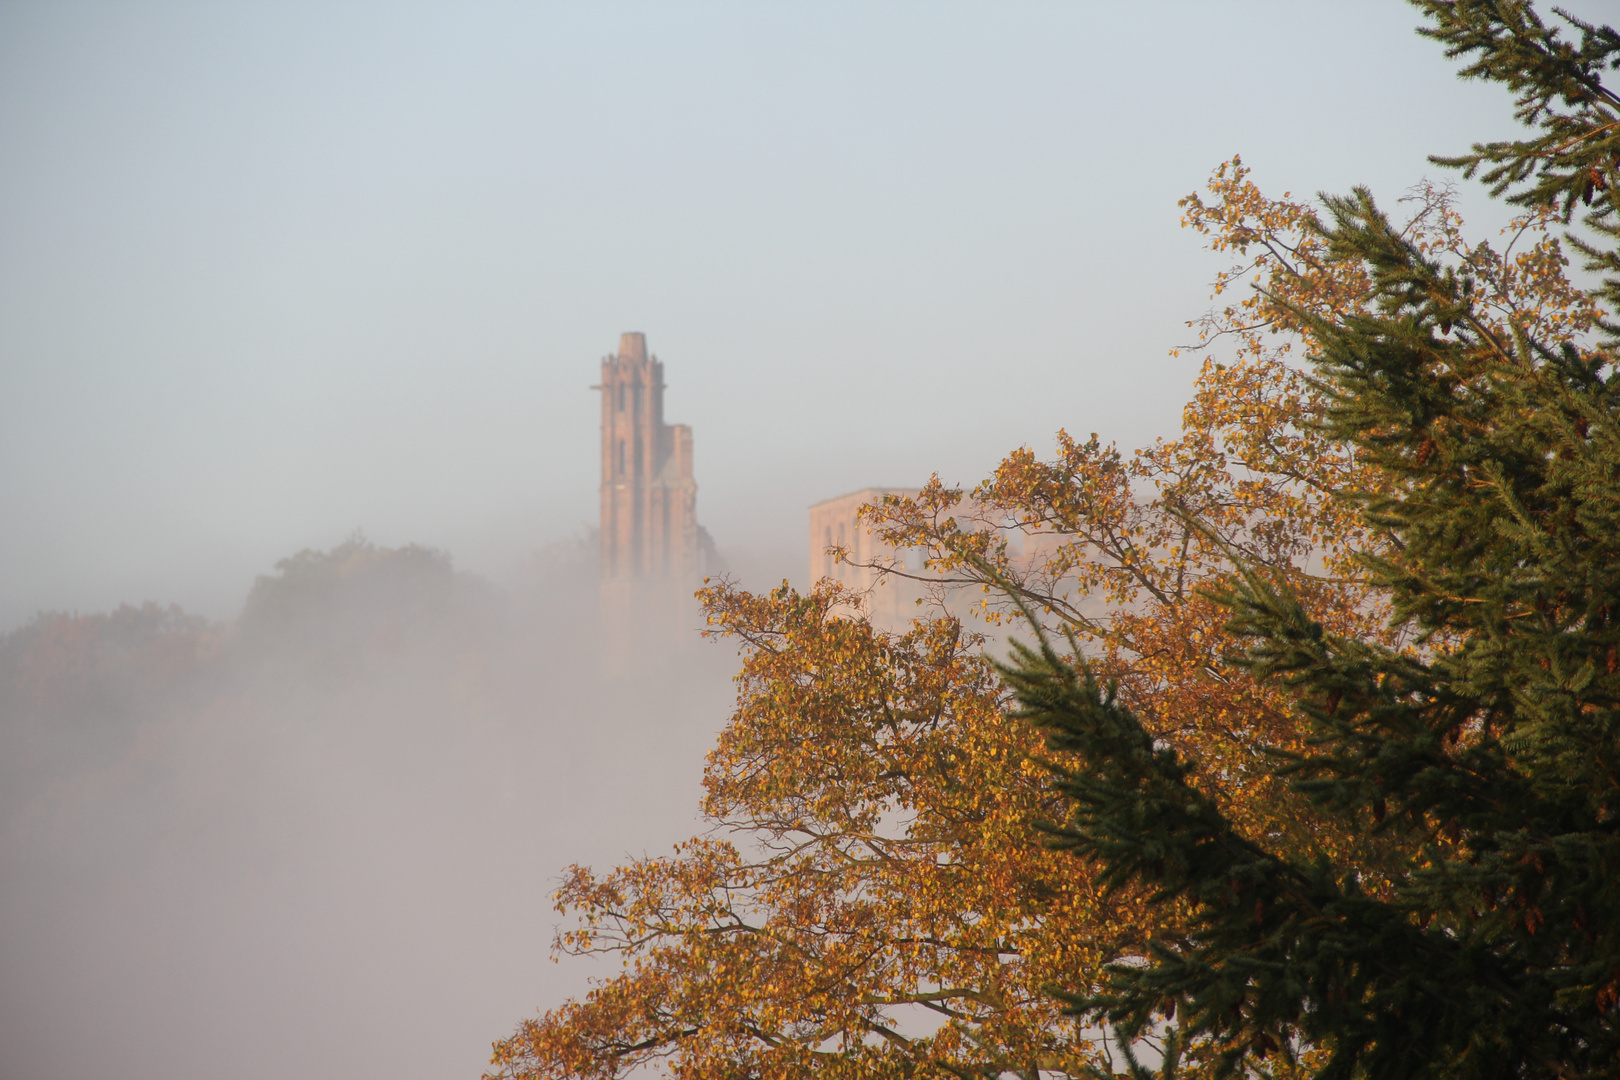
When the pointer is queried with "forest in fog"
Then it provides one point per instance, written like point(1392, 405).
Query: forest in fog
point(320, 838)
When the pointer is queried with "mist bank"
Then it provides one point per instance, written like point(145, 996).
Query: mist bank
point(320, 839)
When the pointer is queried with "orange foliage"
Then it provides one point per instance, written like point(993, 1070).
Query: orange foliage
point(873, 899)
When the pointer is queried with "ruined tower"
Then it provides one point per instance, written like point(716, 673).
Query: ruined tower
point(649, 500)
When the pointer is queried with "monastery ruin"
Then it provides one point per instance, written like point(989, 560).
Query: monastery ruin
point(649, 527)
point(654, 554)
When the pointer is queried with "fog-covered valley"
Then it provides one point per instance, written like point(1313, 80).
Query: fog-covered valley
point(319, 840)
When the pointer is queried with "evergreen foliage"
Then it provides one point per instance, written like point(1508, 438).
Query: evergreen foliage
point(1484, 756)
point(1561, 95)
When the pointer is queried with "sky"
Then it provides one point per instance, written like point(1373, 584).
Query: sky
point(271, 273)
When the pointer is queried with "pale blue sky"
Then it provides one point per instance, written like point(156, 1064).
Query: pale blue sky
point(269, 273)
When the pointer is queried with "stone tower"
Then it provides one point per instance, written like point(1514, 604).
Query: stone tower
point(649, 499)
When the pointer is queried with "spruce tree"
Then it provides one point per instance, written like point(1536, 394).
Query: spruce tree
point(1485, 755)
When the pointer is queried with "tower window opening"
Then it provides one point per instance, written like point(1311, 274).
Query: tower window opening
point(842, 572)
point(621, 399)
point(826, 556)
point(621, 457)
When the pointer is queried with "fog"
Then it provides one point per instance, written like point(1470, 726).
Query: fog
point(320, 840)
point(277, 803)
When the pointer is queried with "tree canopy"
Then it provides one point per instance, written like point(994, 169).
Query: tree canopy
point(1477, 746)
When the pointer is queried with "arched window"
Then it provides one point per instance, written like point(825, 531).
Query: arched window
point(621, 453)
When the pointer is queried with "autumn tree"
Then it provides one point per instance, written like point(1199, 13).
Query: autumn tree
point(1471, 744)
point(868, 906)
point(875, 898)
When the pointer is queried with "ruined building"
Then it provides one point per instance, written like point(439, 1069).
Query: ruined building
point(649, 499)
point(654, 552)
